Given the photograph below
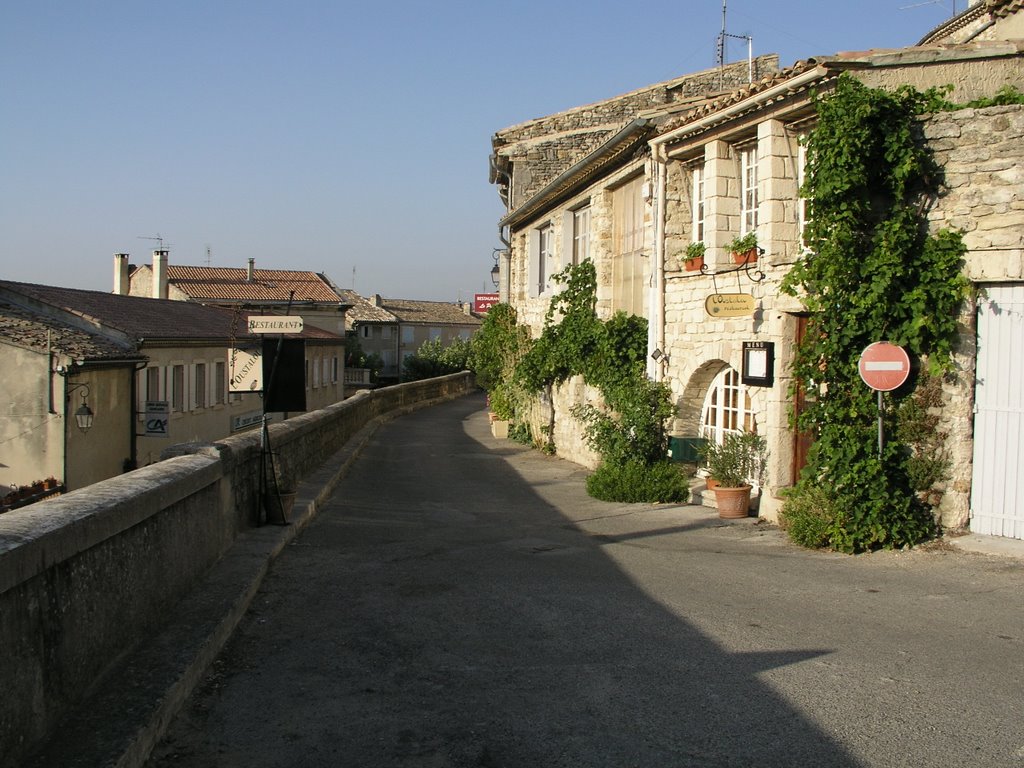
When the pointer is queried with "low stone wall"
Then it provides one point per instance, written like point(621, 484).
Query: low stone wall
point(87, 576)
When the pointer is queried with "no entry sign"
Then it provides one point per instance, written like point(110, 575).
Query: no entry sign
point(884, 366)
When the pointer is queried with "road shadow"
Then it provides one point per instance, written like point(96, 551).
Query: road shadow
point(442, 612)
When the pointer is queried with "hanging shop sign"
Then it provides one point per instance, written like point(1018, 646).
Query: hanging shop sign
point(245, 370)
point(275, 324)
point(729, 305)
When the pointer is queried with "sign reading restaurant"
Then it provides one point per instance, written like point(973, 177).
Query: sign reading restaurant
point(275, 324)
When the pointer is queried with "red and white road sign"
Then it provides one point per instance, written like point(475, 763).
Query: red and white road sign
point(884, 366)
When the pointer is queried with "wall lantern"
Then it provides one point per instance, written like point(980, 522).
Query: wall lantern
point(84, 415)
point(496, 269)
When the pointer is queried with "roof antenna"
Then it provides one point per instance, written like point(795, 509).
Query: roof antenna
point(157, 238)
point(721, 52)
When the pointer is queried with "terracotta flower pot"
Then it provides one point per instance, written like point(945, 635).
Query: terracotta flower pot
point(746, 257)
point(693, 265)
point(733, 503)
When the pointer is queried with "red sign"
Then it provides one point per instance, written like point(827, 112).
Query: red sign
point(884, 366)
point(484, 301)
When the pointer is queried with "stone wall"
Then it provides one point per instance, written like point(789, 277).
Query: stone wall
point(981, 152)
point(88, 575)
point(541, 149)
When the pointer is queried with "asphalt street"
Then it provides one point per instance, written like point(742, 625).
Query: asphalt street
point(461, 601)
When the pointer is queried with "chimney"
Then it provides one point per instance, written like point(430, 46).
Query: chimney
point(250, 272)
point(121, 284)
point(160, 274)
point(377, 300)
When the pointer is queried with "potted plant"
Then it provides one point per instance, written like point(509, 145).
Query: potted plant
point(733, 463)
point(744, 248)
point(694, 258)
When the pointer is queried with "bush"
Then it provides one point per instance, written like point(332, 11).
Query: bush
point(636, 481)
point(433, 359)
point(809, 517)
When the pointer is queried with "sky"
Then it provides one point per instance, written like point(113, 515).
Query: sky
point(346, 138)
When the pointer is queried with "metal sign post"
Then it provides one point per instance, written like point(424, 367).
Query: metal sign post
point(883, 367)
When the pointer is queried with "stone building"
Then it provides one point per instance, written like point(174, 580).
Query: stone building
point(725, 164)
point(113, 353)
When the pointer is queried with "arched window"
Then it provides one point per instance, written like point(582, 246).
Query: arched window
point(726, 408)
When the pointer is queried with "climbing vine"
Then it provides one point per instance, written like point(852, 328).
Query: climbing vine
point(629, 431)
point(872, 272)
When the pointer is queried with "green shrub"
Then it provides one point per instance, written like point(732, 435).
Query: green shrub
point(809, 517)
point(637, 481)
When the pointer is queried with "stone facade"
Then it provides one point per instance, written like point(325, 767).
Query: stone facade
point(703, 354)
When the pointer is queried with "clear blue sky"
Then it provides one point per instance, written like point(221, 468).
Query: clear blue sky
point(333, 136)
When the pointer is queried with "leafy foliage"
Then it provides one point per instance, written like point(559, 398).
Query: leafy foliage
point(872, 273)
point(434, 359)
point(637, 481)
point(497, 349)
point(739, 458)
point(629, 431)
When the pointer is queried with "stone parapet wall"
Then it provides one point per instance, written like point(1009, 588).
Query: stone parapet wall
point(86, 576)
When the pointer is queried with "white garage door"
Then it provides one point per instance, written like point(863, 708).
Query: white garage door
point(996, 506)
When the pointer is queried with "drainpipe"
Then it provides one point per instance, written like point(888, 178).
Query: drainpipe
point(656, 339)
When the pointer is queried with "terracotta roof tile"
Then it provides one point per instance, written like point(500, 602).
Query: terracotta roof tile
point(232, 284)
point(442, 312)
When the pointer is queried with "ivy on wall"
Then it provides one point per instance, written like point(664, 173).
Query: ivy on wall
point(872, 272)
point(630, 431)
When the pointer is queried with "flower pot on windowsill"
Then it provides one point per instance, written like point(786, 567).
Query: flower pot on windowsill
point(694, 264)
point(693, 259)
point(747, 257)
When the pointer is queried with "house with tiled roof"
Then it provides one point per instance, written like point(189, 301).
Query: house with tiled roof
point(310, 295)
point(117, 355)
point(394, 329)
point(728, 162)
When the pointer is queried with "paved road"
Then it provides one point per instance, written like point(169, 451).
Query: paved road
point(462, 602)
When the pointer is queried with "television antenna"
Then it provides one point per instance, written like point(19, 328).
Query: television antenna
point(929, 2)
point(722, 37)
point(158, 238)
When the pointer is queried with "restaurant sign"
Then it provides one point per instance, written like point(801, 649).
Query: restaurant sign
point(729, 305)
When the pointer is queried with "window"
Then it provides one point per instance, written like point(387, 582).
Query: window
point(316, 372)
point(385, 332)
point(726, 408)
point(152, 383)
point(220, 382)
point(364, 331)
point(325, 377)
point(629, 268)
point(698, 204)
point(542, 243)
point(307, 373)
point(801, 203)
point(199, 390)
point(334, 369)
point(581, 235)
point(178, 388)
point(748, 190)
point(435, 334)
point(408, 334)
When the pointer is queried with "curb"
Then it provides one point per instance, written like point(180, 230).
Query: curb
point(130, 710)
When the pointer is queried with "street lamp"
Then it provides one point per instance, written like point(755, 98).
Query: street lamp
point(496, 269)
point(84, 415)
